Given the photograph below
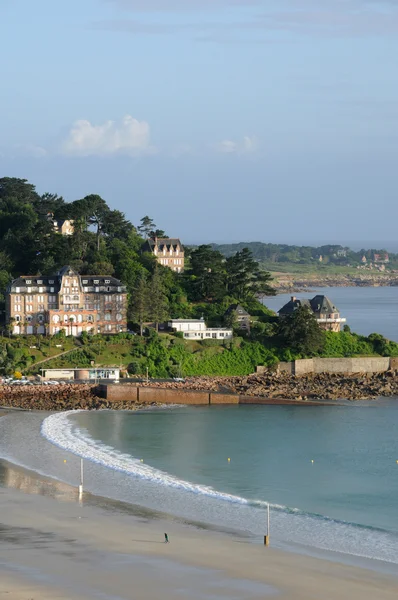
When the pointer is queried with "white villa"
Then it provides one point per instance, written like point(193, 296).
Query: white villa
point(196, 329)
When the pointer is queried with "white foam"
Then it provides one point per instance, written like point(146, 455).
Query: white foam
point(60, 431)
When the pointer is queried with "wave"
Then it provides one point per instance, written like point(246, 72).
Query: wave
point(62, 432)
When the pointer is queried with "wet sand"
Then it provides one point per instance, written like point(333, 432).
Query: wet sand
point(62, 549)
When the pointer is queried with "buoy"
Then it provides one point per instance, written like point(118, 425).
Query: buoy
point(312, 461)
point(142, 460)
point(397, 462)
point(65, 460)
point(229, 460)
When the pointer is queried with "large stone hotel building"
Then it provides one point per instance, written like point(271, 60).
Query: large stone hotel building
point(69, 301)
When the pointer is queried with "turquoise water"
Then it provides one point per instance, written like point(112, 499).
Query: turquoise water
point(367, 310)
point(330, 473)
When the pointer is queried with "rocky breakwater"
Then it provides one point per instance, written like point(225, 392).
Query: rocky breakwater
point(326, 386)
point(57, 398)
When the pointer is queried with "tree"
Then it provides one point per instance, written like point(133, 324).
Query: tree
point(147, 226)
point(206, 274)
point(140, 303)
point(244, 277)
point(301, 333)
point(158, 304)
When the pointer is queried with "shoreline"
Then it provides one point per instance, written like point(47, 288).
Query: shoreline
point(78, 532)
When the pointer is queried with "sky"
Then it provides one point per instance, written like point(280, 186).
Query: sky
point(223, 120)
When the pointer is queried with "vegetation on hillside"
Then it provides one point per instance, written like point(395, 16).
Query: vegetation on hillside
point(105, 242)
point(331, 258)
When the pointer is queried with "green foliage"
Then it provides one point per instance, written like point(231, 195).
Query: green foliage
point(301, 333)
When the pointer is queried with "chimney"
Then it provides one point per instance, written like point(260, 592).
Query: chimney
point(293, 298)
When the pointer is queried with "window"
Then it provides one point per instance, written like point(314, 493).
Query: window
point(29, 290)
point(107, 280)
point(17, 308)
point(17, 298)
point(17, 289)
point(40, 307)
point(90, 318)
point(29, 308)
point(29, 298)
point(108, 327)
point(108, 298)
point(40, 318)
point(208, 334)
point(51, 281)
point(17, 319)
point(41, 290)
point(107, 317)
point(40, 299)
point(39, 281)
point(56, 319)
point(28, 281)
point(118, 317)
point(96, 289)
point(52, 299)
point(85, 281)
point(222, 334)
point(52, 290)
point(29, 318)
point(96, 281)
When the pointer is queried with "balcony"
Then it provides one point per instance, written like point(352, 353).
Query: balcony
point(332, 320)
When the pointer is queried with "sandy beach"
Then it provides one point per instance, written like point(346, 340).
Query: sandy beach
point(60, 548)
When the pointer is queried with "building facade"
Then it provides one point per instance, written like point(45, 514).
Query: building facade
point(64, 227)
point(240, 315)
point(169, 252)
point(326, 313)
point(66, 301)
point(196, 329)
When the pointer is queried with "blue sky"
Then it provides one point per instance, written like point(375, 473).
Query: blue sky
point(224, 120)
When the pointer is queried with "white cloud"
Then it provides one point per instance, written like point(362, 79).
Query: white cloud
point(129, 136)
point(246, 146)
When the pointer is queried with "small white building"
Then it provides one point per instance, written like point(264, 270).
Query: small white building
point(196, 329)
point(82, 374)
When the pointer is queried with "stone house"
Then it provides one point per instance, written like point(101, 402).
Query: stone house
point(326, 313)
point(241, 316)
point(47, 304)
point(64, 226)
point(169, 252)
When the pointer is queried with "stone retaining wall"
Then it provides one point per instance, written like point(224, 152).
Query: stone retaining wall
point(365, 364)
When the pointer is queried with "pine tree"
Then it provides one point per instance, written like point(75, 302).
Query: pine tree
point(140, 302)
point(158, 303)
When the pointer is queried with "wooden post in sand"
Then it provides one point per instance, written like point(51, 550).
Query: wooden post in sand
point(266, 537)
point(81, 479)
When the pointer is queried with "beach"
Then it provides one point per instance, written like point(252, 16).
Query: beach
point(58, 548)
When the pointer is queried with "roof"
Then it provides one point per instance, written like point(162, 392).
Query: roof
point(322, 304)
point(318, 304)
point(238, 309)
point(186, 320)
point(293, 305)
point(55, 280)
point(161, 242)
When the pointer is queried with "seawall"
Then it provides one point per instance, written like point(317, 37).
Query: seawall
point(147, 395)
point(365, 364)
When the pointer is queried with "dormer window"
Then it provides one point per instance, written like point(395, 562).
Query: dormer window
point(28, 281)
point(85, 281)
point(107, 281)
point(96, 281)
point(39, 281)
point(51, 281)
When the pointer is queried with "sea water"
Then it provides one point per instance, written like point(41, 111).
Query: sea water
point(330, 473)
point(367, 310)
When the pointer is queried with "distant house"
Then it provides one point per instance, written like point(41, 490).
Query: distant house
point(169, 252)
point(326, 313)
point(196, 329)
point(64, 226)
point(241, 316)
point(381, 258)
point(364, 259)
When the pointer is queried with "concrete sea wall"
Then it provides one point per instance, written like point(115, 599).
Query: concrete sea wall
point(147, 395)
point(367, 364)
